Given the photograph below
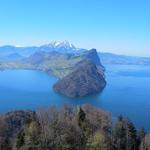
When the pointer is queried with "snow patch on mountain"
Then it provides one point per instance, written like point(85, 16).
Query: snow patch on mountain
point(57, 44)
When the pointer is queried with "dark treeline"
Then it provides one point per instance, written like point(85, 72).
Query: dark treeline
point(69, 128)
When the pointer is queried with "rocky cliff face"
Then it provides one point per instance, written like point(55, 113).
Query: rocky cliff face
point(87, 78)
point(93, 57)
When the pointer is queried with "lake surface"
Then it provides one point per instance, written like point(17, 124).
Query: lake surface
point(127, 92)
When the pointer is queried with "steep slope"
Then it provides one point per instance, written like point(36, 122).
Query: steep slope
point(93, 56)
point(86, 78)
point(80, 74)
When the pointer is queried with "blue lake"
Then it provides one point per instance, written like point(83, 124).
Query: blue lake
point(127, 92)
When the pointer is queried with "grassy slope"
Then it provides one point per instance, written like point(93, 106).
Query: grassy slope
point(56, 64)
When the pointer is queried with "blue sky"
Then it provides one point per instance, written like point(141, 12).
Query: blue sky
point(119, 26)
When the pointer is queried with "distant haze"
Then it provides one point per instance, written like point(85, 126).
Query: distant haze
point(115, 26)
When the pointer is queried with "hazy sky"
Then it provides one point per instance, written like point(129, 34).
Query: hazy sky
point(119, 26)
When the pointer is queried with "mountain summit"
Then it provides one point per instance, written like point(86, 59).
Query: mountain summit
point(86, 78)
point(63, 46)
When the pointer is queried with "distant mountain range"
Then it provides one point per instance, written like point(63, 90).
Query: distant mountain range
point(54, 62)
point(9, 53)
point(109, 58)
point(62, 47)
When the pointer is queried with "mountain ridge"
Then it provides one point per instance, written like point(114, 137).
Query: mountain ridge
point(67, 47)
point(86, 78)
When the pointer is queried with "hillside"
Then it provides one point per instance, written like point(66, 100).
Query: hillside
point(86, 79)
point(54, 63)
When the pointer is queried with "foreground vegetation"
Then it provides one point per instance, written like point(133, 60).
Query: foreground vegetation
point(69, 128)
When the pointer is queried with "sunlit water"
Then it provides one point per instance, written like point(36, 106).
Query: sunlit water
point(127, 92)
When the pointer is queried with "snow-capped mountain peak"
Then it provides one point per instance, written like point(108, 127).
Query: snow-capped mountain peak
point(66, 44)
point(62, 47)
point(63, 44)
